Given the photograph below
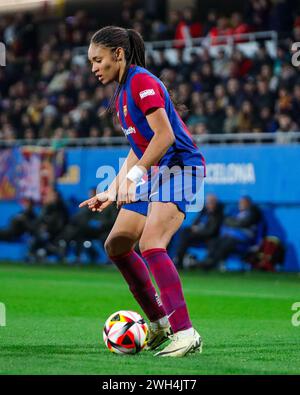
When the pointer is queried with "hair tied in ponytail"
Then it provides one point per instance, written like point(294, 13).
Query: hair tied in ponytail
point(132, 43)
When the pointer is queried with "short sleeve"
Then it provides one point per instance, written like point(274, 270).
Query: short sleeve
point(147, 92)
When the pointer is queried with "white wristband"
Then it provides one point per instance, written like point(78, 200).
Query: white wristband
point(135, 174)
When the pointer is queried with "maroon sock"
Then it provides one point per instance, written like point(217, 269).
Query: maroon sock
point(137, 276)
point(168, 281)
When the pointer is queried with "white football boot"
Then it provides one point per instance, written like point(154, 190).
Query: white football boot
point(157, 335)
point(182, 343)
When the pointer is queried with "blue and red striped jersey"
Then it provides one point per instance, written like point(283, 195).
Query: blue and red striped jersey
point(141, 92)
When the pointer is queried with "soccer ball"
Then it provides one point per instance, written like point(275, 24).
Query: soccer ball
point(125, 332)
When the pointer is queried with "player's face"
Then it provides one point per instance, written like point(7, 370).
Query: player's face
point(104, 63)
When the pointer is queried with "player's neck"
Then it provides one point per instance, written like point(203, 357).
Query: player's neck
point(121, 71)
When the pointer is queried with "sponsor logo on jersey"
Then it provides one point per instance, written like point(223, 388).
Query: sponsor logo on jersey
point(130, 130)
point(147, 92)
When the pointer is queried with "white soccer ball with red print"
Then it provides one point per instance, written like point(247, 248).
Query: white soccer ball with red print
point(125, 332)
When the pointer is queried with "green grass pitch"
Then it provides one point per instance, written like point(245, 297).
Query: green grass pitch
point(55, 316)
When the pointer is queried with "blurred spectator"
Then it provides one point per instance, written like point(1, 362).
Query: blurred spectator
point(210, 22)
point(264, 95)
point(249, 90)
point(215, 117)
point(265, 122)
point(242, 62)
point(234, 92)
point(205, 227)
point(238, 26)
point(50, 222)
point(58, 140)
point(221, 29)
point(195, 81)
point(288, 76)
point(197, 117)
point(231, 120)
point(221, 98)
point(239, 230)
point(208, 79)
point(261, 57)
point(173, 21)
point(21, 223)
point(285, 125)
point(245, 119)
point(221, 64)
point(284, 102)
point(188, 27)
point(296, 104)
point(282, 56)
point(200, 129)
point(257, 14)
point(84, 226)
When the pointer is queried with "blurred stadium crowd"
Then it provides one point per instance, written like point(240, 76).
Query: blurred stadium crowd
point(46, 92)
point(58, 230)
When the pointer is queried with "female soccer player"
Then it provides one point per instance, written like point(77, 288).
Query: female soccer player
point(157, 136)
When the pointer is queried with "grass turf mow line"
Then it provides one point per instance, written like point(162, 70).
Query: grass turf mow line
point(55, 317)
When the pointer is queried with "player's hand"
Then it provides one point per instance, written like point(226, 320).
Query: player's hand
point(126, 192)
point(100, 201)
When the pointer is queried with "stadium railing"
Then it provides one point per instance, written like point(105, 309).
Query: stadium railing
point(248, 42)
point(213, 138)
point(207, 41)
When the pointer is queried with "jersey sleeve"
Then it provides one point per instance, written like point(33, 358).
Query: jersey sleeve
point(147, 92)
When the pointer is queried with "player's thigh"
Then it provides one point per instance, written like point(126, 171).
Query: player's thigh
point(163, 220)
point(125, 232)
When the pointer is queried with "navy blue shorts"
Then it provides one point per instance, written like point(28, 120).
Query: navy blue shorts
point(182, 186)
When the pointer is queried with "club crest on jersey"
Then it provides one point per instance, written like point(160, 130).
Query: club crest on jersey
point(125, 110)
point(130, 130)
point(147, 92)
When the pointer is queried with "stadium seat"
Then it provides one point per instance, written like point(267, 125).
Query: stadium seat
point(235, 261)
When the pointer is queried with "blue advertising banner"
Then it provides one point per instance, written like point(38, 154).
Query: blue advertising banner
point(270, 174)
point(87, 168)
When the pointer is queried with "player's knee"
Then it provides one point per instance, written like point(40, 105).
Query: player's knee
point(111, 247)
point(117, 245)
point(150, 240)
point(107, 246)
